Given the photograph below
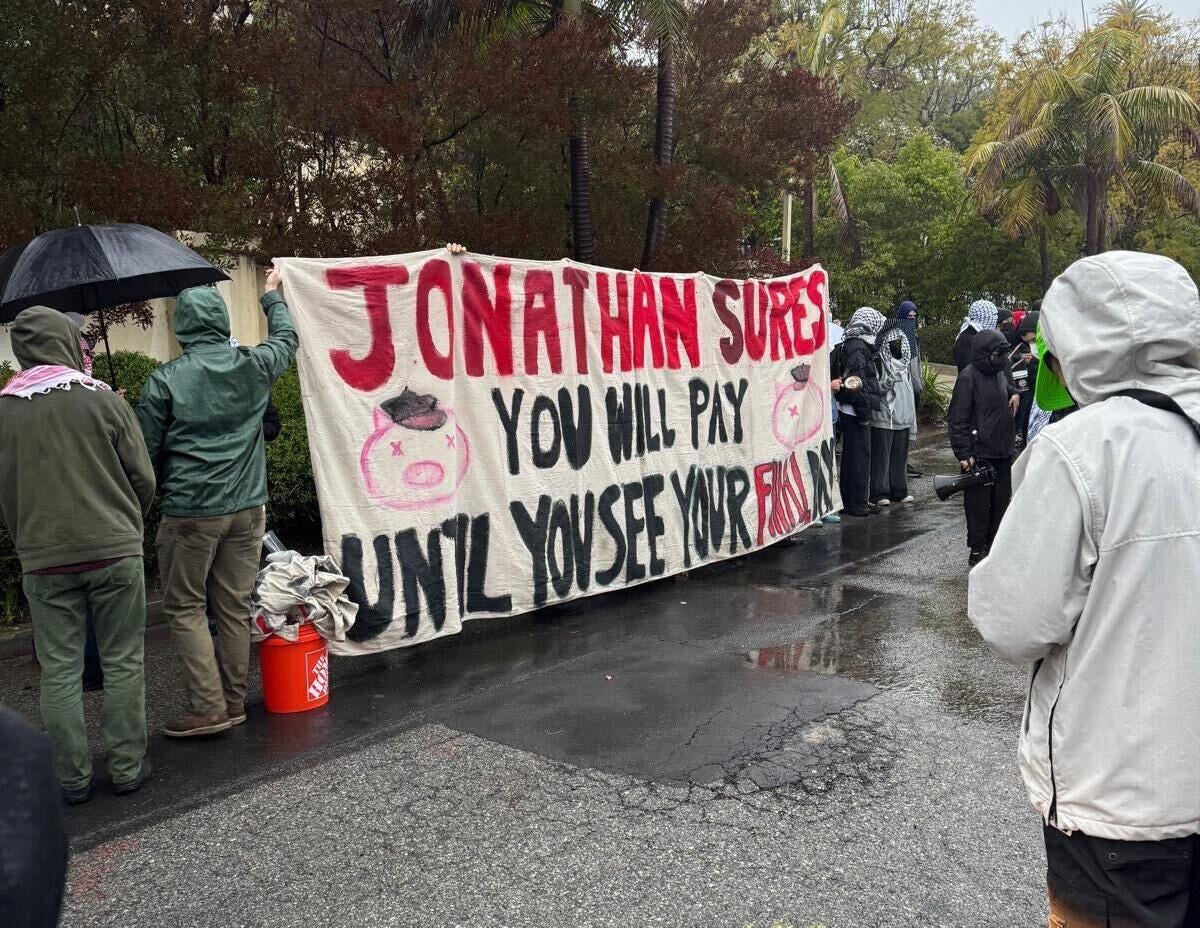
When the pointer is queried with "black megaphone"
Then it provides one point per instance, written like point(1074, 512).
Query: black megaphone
point(981, 475)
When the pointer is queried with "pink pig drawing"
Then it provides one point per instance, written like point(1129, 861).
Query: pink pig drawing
point(799, 410)
point(417, 456)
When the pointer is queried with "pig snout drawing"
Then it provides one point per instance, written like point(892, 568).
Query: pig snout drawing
point(416, 455)
point(799, 410)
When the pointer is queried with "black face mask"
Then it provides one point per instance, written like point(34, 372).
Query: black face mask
point(995, 362)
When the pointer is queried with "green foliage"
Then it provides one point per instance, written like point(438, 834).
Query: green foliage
point(1088, 128)
point(6, 372)
point(132, 370)
point(292, 507)
point(303, 132)
point(910, 67)
point(935, 396)
point(937, 341)
point(923, 240)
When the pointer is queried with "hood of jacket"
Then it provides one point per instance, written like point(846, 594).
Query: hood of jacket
point(982, 347)
point(201, 318)
point(1125, 320)
point(866, 323)
point(41, 335)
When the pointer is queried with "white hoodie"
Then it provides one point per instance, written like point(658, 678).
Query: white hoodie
point(1094, 577)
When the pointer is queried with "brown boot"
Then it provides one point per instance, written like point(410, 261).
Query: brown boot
point(191, 725)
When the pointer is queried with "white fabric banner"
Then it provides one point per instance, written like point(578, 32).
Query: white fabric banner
point(490, 436)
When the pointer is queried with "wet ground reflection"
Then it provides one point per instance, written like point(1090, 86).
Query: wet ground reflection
point(818, 653)
point(921, 644)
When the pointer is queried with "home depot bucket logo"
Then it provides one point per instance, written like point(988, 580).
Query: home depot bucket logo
point(318, 674)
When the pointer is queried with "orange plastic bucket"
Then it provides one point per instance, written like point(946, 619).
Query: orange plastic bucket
point(295, 674)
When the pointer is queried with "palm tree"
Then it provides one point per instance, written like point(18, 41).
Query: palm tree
point(583, 231)
point(820, 55)
point(667, 22)
point(1020, 206)
point(1079, 131)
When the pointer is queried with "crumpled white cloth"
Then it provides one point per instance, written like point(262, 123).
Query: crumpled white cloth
point(293, 589)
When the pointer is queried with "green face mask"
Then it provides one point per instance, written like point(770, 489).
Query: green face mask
point(1049, 393)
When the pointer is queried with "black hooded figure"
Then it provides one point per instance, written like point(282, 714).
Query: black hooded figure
point(982, 431)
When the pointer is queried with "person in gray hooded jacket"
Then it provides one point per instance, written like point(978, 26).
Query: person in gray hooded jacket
point(1104, 534)
point(894, 424)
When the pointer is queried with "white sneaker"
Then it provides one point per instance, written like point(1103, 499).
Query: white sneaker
point(883, 502)
point(908, 499)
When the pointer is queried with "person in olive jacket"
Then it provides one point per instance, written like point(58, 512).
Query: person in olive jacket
point(202, 417)
point(75, 486)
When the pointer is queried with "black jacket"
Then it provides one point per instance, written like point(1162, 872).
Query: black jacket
point(981, 423)
point(272, 425)
point(859, 361)
point(962, 348)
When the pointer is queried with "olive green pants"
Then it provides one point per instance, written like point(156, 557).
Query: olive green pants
point(213, 559)
point(59, 603)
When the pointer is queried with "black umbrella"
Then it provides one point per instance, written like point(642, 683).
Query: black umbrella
point(88, 268)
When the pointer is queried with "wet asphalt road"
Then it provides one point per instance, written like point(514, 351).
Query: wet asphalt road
point(813, 735)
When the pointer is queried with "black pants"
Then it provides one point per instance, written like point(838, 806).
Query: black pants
point(889, 464)
point(855, 479)
point(1099, 883)
point(985, 506)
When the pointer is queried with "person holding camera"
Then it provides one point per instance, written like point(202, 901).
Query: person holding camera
point(983, 432)
point(1104, 535)
point(856, 387)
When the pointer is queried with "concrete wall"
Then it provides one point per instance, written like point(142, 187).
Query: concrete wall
point(241, 293)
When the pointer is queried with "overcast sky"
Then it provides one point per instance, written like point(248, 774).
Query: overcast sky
point(1012, 17)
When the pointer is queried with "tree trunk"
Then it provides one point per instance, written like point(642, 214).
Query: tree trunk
point(1096, 203)
point(664, 145)
point(1044, 255)
point(810, 218)
point(583, 236)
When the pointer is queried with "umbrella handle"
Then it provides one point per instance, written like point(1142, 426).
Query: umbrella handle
point(108, 351)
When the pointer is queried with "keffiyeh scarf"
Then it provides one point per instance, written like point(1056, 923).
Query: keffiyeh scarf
point(46, 377)
point(866, 323)
point(981, 315)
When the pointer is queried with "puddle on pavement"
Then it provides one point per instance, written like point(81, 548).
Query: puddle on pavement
point(819, 654)
point(892, 641)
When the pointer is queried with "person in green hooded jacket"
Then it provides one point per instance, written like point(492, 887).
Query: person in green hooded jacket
point(202, 416)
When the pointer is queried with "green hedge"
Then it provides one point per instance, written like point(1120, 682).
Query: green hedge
point(133, 369)
point(292, 510)
point(937, 342)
